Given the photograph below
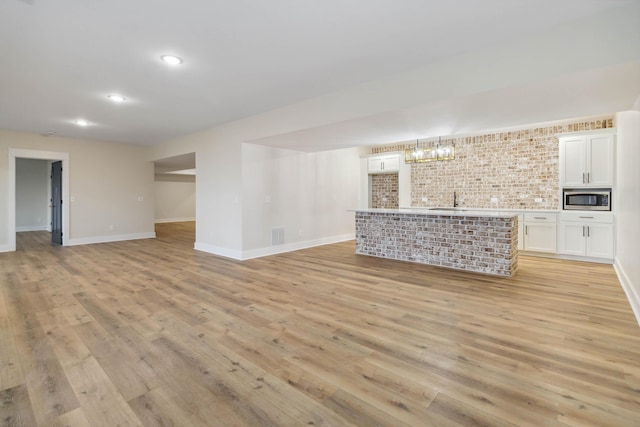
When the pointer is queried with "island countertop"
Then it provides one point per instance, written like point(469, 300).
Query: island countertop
point(470, 240)
point(444, 212)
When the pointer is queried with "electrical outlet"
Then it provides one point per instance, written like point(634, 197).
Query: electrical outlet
point(538, 199)
point(425, 199)
point(112, 227)
point(494, 200)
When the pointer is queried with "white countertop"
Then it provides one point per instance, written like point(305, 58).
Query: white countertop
point(518, 211)
point(448, 212)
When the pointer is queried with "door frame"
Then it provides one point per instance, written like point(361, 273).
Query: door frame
point(15, 153)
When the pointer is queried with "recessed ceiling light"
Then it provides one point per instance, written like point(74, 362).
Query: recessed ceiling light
point(117, 98)
point(81, 122)
point(171, 59)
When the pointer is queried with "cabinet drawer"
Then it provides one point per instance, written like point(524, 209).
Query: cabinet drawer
point(540, 217)
point(587, 217)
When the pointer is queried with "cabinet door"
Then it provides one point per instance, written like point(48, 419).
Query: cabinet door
point(385, 164)
point(573, 154)
point(600, 240)
point(600, 160)
point(374, 165)
point(540, 237)
point(572, 238)
point(391, 164)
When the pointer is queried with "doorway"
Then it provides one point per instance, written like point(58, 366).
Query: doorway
point(175, 194)
point(54, 156)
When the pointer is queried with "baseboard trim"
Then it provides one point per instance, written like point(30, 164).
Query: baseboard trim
point(272, 250)
point(632, 296)
point(565, 257)
point(6, 248)
point(296, 246)
point(32, 228)
point(164, 220)
point(111, 238)
point(217, 250)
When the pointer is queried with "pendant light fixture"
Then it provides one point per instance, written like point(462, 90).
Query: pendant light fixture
point(437, 151)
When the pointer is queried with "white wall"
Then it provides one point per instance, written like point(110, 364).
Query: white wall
point(106, 182)
point(32, 195)
point(175, 198)
point(627, 262)
point(218, 189)
point(309, 194)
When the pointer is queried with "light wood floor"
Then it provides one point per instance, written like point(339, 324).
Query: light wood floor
point(153, 333)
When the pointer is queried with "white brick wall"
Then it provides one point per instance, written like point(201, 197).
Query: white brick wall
point(515, 167)
point(481, 244)
point(384, 191)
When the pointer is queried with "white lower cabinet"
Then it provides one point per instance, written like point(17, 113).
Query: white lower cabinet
point(540, 232)
point(572, 238)
point(586, 234)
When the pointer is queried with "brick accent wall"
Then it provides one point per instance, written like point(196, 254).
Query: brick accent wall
point(516, 167)
point(482, 244)
point(384, 191)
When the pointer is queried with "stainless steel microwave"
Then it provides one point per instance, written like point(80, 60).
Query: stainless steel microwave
point(598, 199)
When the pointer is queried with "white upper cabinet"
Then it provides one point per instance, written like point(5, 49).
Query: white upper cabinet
point(383, 164)
point(600, 160)
point(573, 158)
point(586, 160)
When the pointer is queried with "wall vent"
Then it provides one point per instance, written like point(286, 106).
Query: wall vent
point(277, 236)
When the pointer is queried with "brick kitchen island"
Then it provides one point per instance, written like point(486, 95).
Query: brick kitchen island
point(475, 241)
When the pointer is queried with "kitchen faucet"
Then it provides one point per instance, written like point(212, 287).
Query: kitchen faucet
point(455, 200)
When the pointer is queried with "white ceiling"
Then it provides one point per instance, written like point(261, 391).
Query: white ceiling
point(592, 93)
point(60, 59)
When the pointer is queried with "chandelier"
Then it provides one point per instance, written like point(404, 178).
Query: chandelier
point(433, 152)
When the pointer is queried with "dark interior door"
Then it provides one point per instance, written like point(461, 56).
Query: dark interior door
point(56, 203)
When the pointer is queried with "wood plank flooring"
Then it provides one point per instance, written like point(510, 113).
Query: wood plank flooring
point(153, 333)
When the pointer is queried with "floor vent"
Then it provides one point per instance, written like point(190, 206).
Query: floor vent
point(277, 236)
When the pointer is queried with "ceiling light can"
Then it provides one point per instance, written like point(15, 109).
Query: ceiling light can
point(117, 98)
point(171, 59)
